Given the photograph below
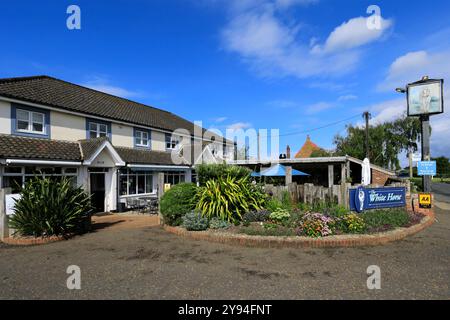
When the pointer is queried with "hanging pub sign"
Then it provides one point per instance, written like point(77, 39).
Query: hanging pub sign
point(362, 199)
point(425, 97)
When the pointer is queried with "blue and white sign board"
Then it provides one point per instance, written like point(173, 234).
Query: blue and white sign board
point(426, 168)
point(377, 198)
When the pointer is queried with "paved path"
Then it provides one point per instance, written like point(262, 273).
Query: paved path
point(441, 191)
point(148, 263)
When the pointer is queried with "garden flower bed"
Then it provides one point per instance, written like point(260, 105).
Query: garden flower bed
point(229, 206)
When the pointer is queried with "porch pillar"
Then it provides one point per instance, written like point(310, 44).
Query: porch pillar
point(4, 229)
point(160, 190)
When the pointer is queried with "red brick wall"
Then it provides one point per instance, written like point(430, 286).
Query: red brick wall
point(379, 178)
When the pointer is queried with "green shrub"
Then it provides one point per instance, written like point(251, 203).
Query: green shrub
point(176, 202)
point(273, 205)
point(206, 172)
point(194, 221)
point(286, 201)
point(268, 230)
point(229, 198)
point(49, 208)
point(385, 219)
point(280, 215)
point(217, 223)
point(256, 216)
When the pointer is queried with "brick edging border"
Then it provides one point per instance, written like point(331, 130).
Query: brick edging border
point(20, 241)
point(305, 242)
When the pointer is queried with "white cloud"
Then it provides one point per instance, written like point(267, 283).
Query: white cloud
point(347, 97)
point(257, 33)
point(220, 119)
point(413, 65)
point(103, 85)
point(239, 125)
point(289, 3)
point(393, 109)
point(352, 34)
point(319, 107)
point(387, 111)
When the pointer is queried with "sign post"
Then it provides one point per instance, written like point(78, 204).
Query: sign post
point(425, 97)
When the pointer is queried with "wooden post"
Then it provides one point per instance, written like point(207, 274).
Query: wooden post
point(330, 175)
point(288, 175)
point(425, 120)
point(348, 170)
point(330, 181)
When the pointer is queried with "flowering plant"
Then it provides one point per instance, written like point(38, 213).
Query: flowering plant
point(315, 225)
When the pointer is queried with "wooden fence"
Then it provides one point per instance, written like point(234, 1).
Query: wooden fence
point(309, 193)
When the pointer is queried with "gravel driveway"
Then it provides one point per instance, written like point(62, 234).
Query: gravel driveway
point(148, 263)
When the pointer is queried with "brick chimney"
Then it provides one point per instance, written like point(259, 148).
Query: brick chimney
point(288, 152)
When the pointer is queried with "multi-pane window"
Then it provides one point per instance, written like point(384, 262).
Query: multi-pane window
point(97, 130)
point(174, 177)
point(135, 182)
point(172, 141)
point(141, 138)
point(30, 122)
point(16, 177)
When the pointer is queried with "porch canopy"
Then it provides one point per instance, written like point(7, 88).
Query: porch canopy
point(277, 170)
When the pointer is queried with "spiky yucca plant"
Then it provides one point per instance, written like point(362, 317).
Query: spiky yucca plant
point(229, 198)
point(49, 208)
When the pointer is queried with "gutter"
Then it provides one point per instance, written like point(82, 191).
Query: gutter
point(44, 162)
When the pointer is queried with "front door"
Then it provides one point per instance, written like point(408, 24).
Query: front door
point(98, 191)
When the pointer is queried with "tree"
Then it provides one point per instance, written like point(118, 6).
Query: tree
point(386, 141)
point(442, 165)
point(320, 153)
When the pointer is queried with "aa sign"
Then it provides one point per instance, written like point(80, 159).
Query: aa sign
point(425, 200)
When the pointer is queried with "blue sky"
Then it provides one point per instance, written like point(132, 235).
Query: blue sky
point(292, 65)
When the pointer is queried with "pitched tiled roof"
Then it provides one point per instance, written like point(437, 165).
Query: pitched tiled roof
point(64, 95)
point(307, 149)
point(137, 156)
point(15, 147)
point(38, 149)
point(90, 146)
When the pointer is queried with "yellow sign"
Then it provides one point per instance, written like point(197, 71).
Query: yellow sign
point(425, 200)
point(166, 186)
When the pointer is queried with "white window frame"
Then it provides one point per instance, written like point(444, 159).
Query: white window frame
point(173, 142)
point(97, 130)
point(136, 175)
point(30, 121)
point(139, 134)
